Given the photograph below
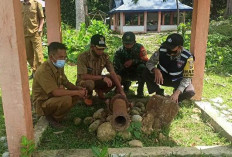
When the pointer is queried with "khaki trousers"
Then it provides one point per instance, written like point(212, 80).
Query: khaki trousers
point(58, 107)
point(34, 50)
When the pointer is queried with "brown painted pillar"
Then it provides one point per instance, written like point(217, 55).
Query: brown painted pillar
point(53, 20)
point(171, 18)
point(122, 19)
point(14, 76)
point(145, 22)
point(114, 21)
point(199, 36)
point(184, 14)
point(159, 22)
point(163, 19)
point(139, 19)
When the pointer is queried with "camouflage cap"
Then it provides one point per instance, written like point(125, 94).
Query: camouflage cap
point(128, 37)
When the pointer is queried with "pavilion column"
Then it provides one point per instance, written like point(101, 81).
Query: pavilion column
point(199, 35)
point(163, 19)
point(171, 18)
point(159, 22)
point(114, 21)
point(53, 20)
point(14, 76)
point(122, 21)
point(145, 22)
point(184, 14)
point(139, 19)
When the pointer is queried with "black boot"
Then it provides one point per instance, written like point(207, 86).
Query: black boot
point(140, 88)
point(126, 85)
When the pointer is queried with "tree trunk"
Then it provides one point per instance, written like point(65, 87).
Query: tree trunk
point(110, 4)
point(80, 13)
point(228, 11)
point(178, 13)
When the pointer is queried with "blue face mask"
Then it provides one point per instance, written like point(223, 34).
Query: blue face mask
point(59, 63)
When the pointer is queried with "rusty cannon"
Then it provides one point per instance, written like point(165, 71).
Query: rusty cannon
point(118, 106)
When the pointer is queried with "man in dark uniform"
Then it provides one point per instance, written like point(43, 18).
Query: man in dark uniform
point(53, 95)
point(172, 66)
point(89, 70)
point(129, 62)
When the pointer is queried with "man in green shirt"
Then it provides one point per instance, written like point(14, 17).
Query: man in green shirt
point(129, 62)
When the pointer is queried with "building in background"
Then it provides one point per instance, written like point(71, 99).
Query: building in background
point(147, 16)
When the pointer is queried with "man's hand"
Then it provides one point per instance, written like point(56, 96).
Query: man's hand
point(122, 92)
point(158, 76)
point(174, 97)
point(107, 81)
point(40, 31)
point(128, 63)
point(82, 93)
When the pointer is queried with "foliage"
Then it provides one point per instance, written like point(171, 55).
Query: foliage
point(100, 152)
point(135, 129)
point(27, 147)
point(219, 46)
point(78, 41)
point(68, 12)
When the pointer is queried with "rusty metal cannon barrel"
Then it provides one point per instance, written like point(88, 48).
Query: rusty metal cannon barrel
point(119, 107)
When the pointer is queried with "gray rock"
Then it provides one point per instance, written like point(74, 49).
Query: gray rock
point(139, 104)
point(93, 127)
point(77, 121)
point(125, 134)
point(136, 143)
point(99, 114)
point(105, 132)
point(88, 120)
point(136, 118)
point(3, 139)
point(108, 119)
point(137, 109)
point(134, 112)
point(143, 109)
point(6, 154)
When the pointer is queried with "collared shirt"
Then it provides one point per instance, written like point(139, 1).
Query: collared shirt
point(137, 54)
point(32, 12)
point(47, 78)
point(88, 63)
point(154, 61)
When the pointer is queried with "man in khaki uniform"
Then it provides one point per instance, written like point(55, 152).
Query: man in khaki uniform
point(53, 95)
point(89, 68)
point(33, 20)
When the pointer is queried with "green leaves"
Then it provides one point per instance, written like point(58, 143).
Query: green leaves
point(27, 147)
point(78, 41)
point(97, 152)
point(135, 129)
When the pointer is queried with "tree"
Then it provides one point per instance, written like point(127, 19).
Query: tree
point(80, 13)
point(228, 11)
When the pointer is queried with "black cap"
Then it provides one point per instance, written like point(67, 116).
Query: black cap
point(98, 40)
point(128, 37)
point(173, 41)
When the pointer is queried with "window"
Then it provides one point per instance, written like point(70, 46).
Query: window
point(134, 19)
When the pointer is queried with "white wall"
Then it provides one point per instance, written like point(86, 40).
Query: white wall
point(133, 28)
point(168, 27)
point(112, 27)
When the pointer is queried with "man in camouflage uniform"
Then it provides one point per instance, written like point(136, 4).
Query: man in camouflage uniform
point(53, 94)
point(172, 66)
point(129, 62)
point(33, 20)
point(89, 70)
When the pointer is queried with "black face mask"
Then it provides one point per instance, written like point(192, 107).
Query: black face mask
point(170, 52)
